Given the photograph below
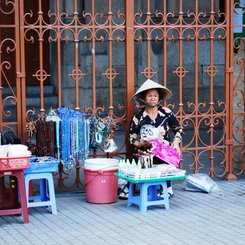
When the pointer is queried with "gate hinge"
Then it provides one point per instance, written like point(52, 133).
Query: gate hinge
point(21, 74)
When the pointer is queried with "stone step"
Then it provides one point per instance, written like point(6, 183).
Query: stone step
point(49, 101)
point(31, 91)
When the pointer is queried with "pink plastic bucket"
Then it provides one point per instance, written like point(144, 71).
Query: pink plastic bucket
point(101, 184)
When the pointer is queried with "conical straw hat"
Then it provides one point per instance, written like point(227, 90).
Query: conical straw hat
point(164, 93)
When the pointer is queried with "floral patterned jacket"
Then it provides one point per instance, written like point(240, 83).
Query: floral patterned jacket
point(143, 127)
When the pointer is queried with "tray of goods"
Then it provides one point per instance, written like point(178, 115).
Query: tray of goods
point(43, 164)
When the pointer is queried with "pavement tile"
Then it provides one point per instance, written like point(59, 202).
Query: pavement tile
point(193, 218)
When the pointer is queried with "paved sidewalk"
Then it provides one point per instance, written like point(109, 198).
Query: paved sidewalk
point(193, 218)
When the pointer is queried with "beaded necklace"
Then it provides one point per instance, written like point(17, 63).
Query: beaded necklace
point(45, 138)
point(86, 137)
point(57, 134)
point(65, 140)
point(73, 138)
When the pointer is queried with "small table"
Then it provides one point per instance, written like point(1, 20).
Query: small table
point(148, 196)
point(22, 195)
point(42, 169)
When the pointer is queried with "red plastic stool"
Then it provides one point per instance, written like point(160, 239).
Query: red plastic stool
point(19, 174)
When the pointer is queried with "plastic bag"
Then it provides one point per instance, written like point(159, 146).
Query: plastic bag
point(199, 182)
point(165, 152)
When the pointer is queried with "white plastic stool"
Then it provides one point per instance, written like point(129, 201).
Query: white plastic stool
point(46, 197)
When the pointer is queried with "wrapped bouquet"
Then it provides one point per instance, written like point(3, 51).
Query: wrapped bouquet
point(165, 152)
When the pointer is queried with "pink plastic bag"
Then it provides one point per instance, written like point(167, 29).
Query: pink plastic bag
point(165, 152)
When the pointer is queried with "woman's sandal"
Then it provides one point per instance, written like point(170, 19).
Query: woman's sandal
point(170, 192)
point(170, 195)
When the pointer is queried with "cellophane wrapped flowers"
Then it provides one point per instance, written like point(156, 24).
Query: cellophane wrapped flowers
point(165, 152)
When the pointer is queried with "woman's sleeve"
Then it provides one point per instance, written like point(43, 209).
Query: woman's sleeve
point(175, 126)
point(134, 130)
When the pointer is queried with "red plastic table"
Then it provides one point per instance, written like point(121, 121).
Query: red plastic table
point(14, 166)
point(19, 174)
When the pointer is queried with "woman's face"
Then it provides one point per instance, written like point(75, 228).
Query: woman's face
point(151, 98)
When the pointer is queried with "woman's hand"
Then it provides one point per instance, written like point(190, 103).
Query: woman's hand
point(142, 144)
point(176, 145)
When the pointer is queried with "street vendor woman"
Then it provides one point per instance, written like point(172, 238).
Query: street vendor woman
point(153, 121)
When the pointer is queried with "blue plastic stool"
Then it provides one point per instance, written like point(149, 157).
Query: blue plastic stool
point(148, 195)
point(46, 197)
point(148, 191)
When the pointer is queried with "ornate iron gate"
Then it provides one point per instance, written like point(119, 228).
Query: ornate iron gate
point(95, 53)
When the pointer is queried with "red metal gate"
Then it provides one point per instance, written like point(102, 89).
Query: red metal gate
point(95, 55)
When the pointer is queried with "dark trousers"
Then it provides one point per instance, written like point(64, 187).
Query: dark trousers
point(156, 161)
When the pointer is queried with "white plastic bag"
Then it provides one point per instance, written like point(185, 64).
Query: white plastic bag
point(199, 182)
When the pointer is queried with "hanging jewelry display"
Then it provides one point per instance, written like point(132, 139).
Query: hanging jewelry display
point(65, 142)
point(94, 139)
point(30, 129)
point(101, 130)
point(52, 116)
point(74, 137)
point(109, 143)
point(69, 136)
point(86, 137)
point(45, 138)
